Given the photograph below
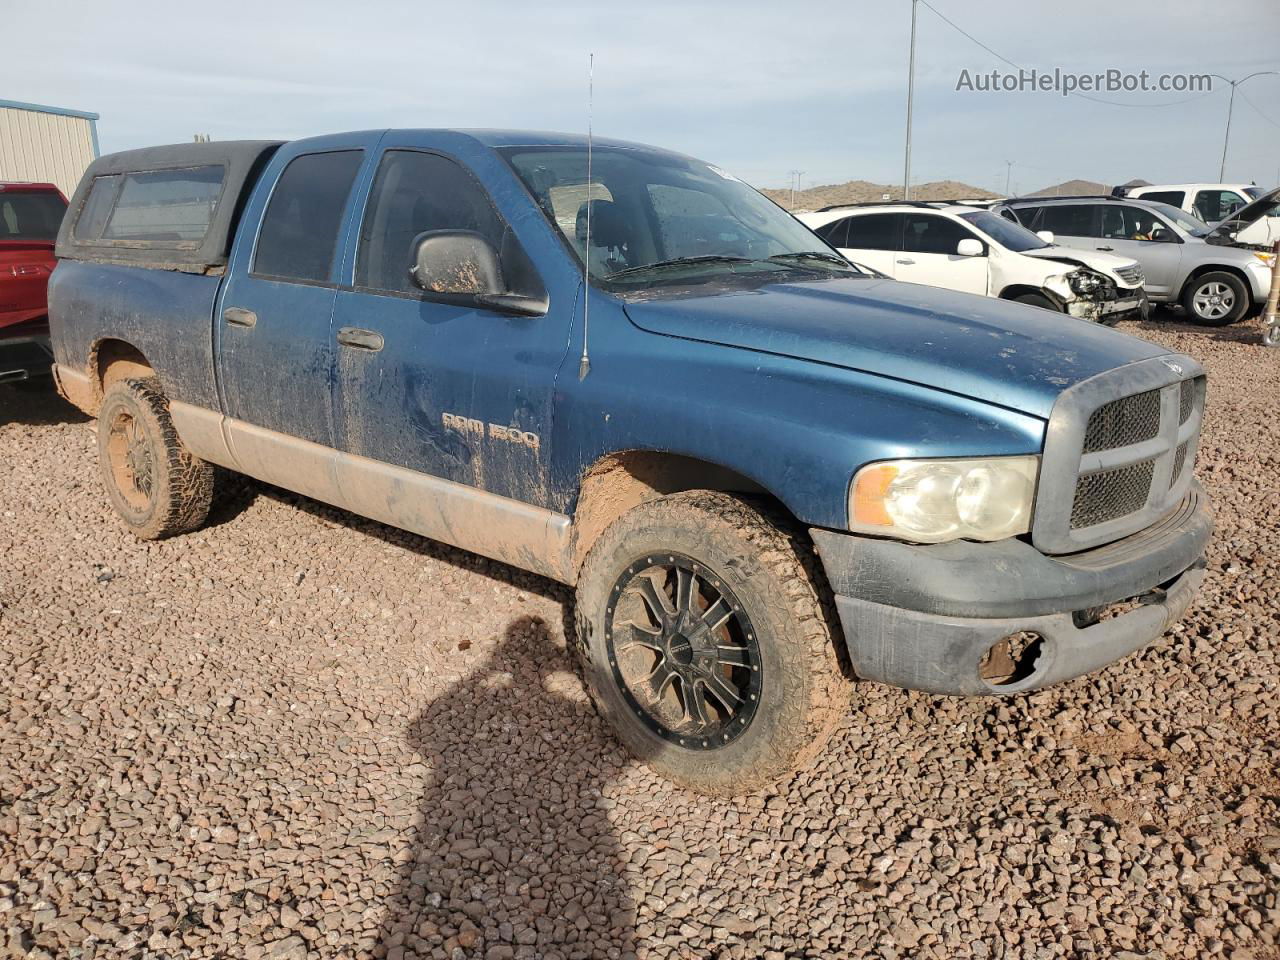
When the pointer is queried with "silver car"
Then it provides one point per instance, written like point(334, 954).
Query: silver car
point(1216, 283)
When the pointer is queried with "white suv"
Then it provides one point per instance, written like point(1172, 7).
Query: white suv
point(1211, 202)
point(975, 251)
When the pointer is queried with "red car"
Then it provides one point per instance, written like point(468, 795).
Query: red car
point(30, 214)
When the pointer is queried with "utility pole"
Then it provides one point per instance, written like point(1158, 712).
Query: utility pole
point(795, 176)
point(1008, 175)
point(1231, 105)
point(911, 93)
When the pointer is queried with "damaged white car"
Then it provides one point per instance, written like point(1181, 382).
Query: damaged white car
point(975, 251)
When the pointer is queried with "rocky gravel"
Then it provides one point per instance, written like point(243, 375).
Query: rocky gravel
point(299, 734)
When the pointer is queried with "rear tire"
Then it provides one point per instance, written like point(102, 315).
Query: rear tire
point(1036, 300)
point(1216, 299)
point(722, 710)
point(155, 483)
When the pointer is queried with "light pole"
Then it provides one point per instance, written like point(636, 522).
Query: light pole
point(1231, 105)
point(911, 92)
point(795, 176)
point(1008, 175)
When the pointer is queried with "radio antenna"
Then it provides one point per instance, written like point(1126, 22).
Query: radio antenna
point(584, 364)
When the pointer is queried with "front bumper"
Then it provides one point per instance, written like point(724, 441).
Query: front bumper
point(1109, 311)
point(924, 617)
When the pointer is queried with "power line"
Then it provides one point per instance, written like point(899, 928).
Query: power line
point(1258, 110)
point(1074, 93)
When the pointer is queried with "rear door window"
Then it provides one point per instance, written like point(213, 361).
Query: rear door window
point(834, 232)
point(1068, 220)
point(166, 206)
point(300, 228)
point(927, 233)
point(875, 231)
point(97, 207)
point(1175, 198)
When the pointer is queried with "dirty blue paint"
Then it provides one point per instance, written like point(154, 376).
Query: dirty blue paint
point(793, 385)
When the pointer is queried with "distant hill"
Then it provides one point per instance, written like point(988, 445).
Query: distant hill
point(1072, 188)
point(863, 191)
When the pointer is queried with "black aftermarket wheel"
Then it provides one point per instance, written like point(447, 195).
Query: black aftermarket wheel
point(707, 642)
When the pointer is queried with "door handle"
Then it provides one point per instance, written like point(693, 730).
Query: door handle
point(239, 317)
point(1108, 249)
point(361, 339)
point(905, 263)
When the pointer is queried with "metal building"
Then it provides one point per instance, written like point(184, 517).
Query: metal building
point(46, 144)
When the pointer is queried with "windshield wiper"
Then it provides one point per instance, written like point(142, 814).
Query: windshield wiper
point(822, 255)
point(659, 265)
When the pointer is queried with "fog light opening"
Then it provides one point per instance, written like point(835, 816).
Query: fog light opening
point(1011, 659)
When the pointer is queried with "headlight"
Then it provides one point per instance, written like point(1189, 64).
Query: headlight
point(1269, 259)
point(929, 501)
point(1084, 283)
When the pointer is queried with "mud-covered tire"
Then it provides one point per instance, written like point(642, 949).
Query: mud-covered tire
point(773, 572)
point(158, 487)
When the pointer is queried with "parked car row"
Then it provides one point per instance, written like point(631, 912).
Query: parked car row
point(971, 250)
point(1217, 283)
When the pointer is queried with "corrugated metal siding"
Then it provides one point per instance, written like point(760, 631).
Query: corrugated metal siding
point(44, 147)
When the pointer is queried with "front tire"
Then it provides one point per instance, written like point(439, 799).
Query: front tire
point(1036, 300)
point(1216, 299)
point(707, 642)
point(155, 483)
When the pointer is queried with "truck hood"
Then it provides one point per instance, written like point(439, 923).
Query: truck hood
point(1009, 354)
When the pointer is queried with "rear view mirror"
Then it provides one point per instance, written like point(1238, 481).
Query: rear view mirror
point(456, 261)
point(969, 247)
point(1045, 235)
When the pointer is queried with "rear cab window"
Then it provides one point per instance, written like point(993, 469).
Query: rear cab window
point(30, 215)
point(1175, 198)
point(154, 208)
point(299, 232)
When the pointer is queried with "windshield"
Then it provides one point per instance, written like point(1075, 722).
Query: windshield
point(30, 216)
point(1008, 234)
point(1183, 220)
point(658, 217)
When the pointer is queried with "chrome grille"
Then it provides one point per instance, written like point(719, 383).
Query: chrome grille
point(1123, 422)
point(1131, 275)
point(1111, 494)
point(1118, 453)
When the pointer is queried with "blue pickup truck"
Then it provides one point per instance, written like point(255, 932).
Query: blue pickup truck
point(765, 471)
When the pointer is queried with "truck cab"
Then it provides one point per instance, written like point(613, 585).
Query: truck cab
point(765, 472)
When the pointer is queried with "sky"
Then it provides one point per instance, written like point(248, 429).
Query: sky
point(760, 89)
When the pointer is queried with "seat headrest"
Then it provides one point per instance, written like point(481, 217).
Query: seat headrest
point(608, 226)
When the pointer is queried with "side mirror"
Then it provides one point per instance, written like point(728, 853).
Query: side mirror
point(464, 263)
point(1045, 235)
point(969, 247)
point(455, 261)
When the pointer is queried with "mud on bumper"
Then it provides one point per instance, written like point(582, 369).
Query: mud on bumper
point(1003, 618)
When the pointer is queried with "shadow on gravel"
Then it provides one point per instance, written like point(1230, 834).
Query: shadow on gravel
point(514, 848)
point(1166, 319)
point(36, 403)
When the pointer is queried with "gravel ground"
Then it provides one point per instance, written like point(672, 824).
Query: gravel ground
point(298, 734)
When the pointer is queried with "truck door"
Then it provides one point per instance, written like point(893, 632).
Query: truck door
point(435, 382)
point(274, 346)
